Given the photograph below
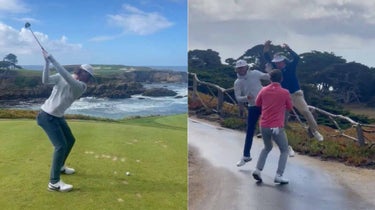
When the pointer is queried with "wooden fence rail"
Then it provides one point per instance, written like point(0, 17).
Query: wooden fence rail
point(220, 92)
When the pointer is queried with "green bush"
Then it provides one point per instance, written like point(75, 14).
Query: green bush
point(332, 148)
point(234, 123)
point(27, 81)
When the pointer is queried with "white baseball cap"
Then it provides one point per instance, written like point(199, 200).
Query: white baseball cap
point(241, 63)
point(88, 68)
point(278, 58)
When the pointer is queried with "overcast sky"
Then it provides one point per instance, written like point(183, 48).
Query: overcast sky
point(230, 27)
point(130, 32)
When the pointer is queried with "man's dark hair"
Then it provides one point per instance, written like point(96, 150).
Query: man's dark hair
point(276, 75)
point(77, 70)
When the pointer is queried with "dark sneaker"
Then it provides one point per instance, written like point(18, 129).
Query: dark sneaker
point(256, 175)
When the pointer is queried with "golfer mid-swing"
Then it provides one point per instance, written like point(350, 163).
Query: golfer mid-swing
point(67, 88)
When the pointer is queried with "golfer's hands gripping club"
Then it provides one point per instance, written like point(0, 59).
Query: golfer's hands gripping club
point(267, 46)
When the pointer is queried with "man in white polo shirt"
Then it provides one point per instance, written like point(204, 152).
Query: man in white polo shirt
point(67, 88)
point(246, 88)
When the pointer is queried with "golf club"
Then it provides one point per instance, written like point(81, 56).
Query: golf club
point(28, 26)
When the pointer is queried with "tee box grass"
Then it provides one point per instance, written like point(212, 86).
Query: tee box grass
point(152, 149)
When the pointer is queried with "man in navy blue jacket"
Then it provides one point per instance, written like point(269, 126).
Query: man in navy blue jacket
point(290, 82)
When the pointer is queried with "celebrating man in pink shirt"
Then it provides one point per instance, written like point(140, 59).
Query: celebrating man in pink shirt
point(274, 101)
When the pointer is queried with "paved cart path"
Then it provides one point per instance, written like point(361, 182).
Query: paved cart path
point(215, 182)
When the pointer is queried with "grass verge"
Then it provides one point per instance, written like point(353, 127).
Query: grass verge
point(153, 150)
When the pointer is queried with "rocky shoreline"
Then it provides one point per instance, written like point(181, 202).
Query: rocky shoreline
point(152, 92)
point(15, 87)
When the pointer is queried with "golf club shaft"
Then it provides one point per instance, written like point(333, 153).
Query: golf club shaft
point(36, 39)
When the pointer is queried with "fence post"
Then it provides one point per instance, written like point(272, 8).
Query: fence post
point(195, 87)
point(360, 137)
point(220, 100)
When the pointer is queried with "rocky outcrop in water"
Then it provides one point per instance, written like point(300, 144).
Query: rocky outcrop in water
point(159, 92)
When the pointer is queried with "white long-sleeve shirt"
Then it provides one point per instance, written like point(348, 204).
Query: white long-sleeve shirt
point(249, 85)
point(65, 91)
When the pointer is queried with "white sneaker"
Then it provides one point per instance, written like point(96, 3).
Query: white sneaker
point(280, 179)
point(60, 186)
point(256, 175)
point(291, 151)
point(67, 170)
point(318, 136)
point(243, 161)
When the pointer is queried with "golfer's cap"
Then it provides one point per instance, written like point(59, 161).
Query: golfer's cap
point(241, 63)
point(278, 58)
point(88, 68)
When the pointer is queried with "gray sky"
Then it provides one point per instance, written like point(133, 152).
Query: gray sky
point(230, 27)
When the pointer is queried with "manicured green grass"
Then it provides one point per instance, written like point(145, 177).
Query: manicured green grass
point(153, 150)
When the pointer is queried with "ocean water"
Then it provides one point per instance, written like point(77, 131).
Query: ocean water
point(173, 68)
point(137, 105)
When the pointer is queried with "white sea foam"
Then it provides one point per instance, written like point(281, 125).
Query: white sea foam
point(137, 105)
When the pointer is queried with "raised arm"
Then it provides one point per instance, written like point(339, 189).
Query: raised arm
point(266, 51)
point(61, 70)
point(294, 55)
point(265, 76)
point(45, 76)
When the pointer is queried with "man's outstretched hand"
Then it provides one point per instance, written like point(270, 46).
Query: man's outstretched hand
point(267, 46)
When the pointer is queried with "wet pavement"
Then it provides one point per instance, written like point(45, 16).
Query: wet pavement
point(233, 188)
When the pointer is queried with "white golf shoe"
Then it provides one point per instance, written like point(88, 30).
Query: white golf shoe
point(60, 186)
point(243, 161)
point(67, 170)
point(291, 151)
point(318, 136)
point(280, 179)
